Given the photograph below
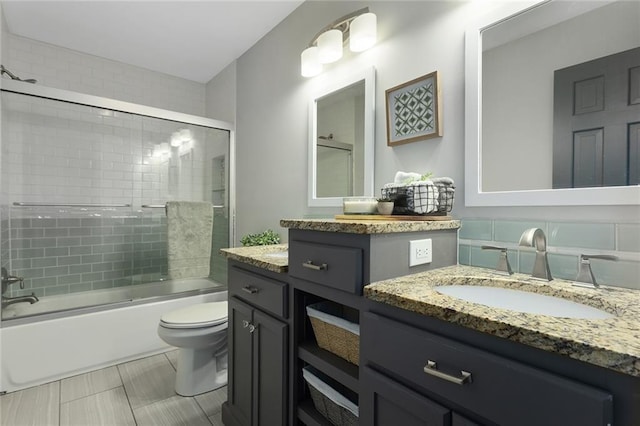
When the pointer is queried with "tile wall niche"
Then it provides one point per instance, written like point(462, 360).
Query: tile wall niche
point(565, 242)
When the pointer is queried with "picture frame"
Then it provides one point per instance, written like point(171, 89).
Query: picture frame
point(414, 110)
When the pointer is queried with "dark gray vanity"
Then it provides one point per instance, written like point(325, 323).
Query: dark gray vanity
point(425, 358)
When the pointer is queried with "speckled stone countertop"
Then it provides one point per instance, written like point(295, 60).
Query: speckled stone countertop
point(611, 343)
point(261, 256)
point(368, 226)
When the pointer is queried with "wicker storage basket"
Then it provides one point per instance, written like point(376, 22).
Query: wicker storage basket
point(333, 332)
point(334, 406)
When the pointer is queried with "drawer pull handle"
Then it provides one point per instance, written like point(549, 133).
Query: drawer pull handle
point(250, 290)
point(309, 265)
point(432, 369)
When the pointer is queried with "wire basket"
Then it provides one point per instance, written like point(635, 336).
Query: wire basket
point(421, 198)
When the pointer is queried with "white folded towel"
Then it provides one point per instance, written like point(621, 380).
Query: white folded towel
point(406, 177)
point(444, 180)
point(425, 197)
point(189, 233)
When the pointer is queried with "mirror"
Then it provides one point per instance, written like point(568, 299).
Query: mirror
point(341, 138)
point(512, 58)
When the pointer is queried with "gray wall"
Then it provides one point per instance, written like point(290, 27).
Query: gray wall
point(414, 38)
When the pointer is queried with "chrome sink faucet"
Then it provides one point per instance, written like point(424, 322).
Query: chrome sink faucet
point(535, 237)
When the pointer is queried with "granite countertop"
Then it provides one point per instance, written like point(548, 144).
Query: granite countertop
point(261, 256)
point(356, 226)
point(611, 343)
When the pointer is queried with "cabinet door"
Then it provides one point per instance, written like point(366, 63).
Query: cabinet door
point(458, 420)
point(385, 402)
point(270, 370)
point(240, 365)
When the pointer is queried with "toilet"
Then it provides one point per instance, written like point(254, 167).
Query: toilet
point(200, 333)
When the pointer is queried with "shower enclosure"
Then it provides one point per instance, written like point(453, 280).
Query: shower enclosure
point(84, 181)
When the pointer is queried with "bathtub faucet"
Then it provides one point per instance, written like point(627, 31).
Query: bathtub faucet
point(6, 301)
point(7, 280)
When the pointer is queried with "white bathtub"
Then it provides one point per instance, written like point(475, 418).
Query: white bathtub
point(50, 347)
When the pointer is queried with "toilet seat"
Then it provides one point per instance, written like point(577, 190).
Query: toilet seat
point(196, 316)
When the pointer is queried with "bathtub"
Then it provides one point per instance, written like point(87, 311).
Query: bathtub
point(62, 343)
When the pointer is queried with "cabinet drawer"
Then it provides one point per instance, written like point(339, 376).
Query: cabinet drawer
point(332, 266)
point(499, 389)
point(262, 292)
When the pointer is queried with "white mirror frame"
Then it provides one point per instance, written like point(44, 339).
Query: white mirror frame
point(474, 196)
point(334, 85)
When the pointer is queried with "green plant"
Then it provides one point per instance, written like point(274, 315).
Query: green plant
point(261, 239)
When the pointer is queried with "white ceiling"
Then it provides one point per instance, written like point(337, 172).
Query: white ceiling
point(194, 40)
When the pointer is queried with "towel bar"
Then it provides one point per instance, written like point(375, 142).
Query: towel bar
point(21, 204)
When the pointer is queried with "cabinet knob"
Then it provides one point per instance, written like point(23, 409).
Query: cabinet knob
point(252, 328)
point(245, 323)
point(432, 369)
point(309, 265)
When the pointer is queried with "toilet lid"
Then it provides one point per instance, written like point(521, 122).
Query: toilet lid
point(196, 316)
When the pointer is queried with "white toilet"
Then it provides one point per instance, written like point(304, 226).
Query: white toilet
point(200, 331)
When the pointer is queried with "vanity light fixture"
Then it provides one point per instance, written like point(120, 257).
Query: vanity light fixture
point(359, 28)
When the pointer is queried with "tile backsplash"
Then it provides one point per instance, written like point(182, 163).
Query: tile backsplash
point(565, 242)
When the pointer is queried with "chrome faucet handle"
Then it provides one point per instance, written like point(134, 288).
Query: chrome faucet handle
point(10, 279)
point(503, 261)
point(585, 276)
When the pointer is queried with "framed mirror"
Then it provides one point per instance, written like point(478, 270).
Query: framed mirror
point(513, 59)
point(341, 139)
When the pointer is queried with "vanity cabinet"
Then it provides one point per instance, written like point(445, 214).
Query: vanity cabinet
point(411, 372)
point(335, 266)
point(258, 348)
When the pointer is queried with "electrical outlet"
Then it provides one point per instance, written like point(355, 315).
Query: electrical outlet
point(420, 252)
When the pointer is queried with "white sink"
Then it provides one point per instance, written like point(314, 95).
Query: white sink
point(278, 255)
point(523, 301)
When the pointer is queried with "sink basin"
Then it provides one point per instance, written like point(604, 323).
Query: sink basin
point(278, 255)
point(523, 301)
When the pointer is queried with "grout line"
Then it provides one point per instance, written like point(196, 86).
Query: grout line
point(124, 388)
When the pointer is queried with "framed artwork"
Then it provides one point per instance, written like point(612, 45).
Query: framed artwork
point(413, 110)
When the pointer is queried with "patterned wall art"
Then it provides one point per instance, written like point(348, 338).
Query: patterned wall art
point(414, 111)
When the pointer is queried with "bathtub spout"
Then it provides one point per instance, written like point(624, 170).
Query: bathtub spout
point(6, 301)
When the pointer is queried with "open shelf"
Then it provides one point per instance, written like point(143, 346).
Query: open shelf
point(308, 414)
point(330, 364)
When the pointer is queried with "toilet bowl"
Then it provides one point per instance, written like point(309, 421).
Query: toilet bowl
point(200, 333)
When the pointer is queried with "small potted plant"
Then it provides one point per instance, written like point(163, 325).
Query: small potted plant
point(265, 238)
point(385, 206)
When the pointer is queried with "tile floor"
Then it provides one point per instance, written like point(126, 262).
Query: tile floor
point(138, 393)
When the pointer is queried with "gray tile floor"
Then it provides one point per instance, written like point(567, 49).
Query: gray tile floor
point(138, 393)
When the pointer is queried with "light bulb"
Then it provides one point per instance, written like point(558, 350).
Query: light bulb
point(363, 32)
point(330, 46)
point(309, 62)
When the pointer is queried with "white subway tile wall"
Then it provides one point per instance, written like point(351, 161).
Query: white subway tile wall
point(62, 68)
point(55, 153)
point(565, 242)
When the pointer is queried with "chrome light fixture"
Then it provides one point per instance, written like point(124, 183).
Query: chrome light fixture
point(359, 28)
